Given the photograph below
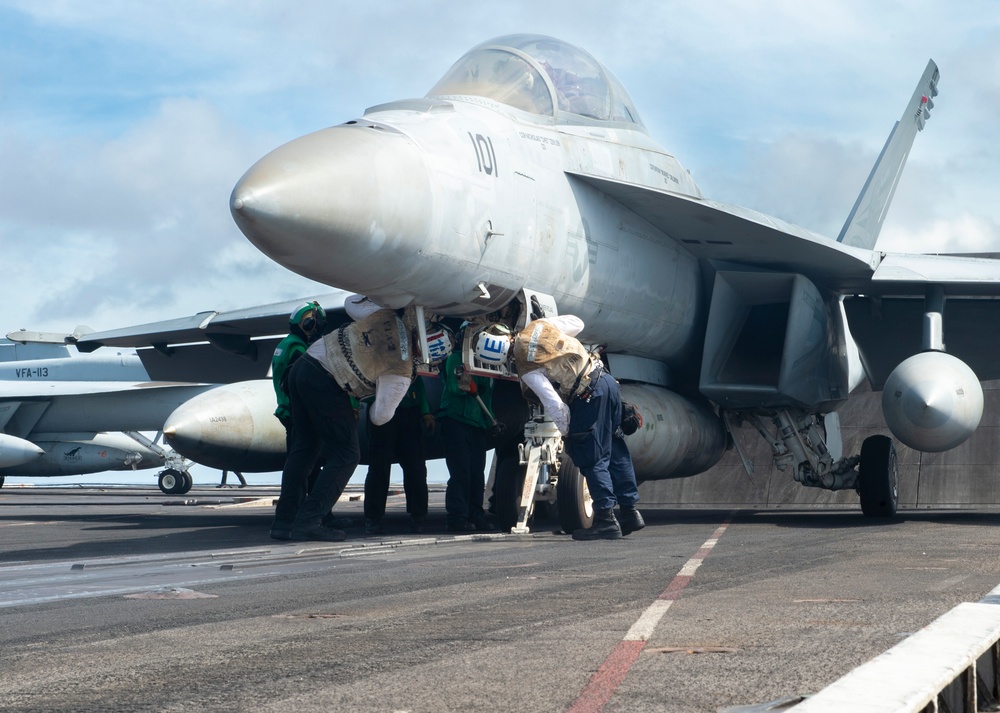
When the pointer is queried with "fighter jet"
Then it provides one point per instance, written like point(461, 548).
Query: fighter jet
point(66, 413)
point(526, 171)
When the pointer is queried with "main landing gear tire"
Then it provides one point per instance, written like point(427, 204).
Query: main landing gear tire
point(878, 477)
point(576, 508)
point(187, 484)
point(172, 482)
point(509, 481)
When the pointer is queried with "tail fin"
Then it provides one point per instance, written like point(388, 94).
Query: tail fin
point(865, 221)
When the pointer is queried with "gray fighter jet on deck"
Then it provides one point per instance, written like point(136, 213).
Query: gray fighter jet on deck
point(214, 400)
point(526, 171)
point(66, 413)
point(525, 183)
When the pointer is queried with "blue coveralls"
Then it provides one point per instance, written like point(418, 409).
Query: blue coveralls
point(602, 457)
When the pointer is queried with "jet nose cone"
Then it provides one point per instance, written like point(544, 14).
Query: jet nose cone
point(348, 206)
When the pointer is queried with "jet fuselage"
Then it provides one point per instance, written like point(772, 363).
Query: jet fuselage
point(456, 204)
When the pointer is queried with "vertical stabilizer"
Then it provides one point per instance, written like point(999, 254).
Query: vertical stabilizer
point(865, 221)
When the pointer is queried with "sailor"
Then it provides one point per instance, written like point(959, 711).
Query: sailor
point(371, 356)
point(585, 404)
point(305, 325)
point(465, 402)
point(402, 439)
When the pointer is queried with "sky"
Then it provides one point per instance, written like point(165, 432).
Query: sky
point(124, 125)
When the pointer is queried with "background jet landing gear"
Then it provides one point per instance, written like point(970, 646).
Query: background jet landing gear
point(175, 482)
point(175, 478)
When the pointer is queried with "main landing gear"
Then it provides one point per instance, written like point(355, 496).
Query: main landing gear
point(811, 445)
point(878, 477)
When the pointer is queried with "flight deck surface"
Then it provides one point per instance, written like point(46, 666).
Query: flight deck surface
point(128, 599)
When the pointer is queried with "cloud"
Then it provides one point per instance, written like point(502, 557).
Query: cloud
point(124, 125)
point(140, 220)
point(964, 233)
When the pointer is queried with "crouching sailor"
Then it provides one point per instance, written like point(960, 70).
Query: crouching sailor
point(372, 355)
point(585, 403)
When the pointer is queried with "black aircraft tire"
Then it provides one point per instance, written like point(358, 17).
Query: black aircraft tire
point(510, 480)
point(187, 482)
point(576, 508)
point(171, 481)
point(878, 477)
point(1, 481)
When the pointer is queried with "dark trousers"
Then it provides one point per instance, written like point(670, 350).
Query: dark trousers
point(465, 455)
point(311, 481)
point(400, 439)
point(602, 457)
point(324, 427)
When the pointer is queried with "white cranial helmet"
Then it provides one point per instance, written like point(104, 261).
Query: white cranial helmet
point(439, 342)
point(493, 344)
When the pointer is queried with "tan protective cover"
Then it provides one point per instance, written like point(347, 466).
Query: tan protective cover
point(360, 352)
point(566, 362)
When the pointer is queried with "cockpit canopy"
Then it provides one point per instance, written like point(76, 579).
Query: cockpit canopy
point(541, 75)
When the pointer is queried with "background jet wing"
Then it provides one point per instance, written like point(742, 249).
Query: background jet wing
point(227, 330)
point(209, 347)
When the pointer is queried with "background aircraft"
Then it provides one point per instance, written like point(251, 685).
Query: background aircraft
point(85, 406)
point(527, 167)
point(66, 413)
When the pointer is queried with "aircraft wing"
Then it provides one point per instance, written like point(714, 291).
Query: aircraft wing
point(209, 347)
point(33, 390)
point(884, 292)
point(226, 330)
point(724, 233)
point(731, 234)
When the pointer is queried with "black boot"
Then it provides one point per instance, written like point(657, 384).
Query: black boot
point(605, 527)
point(631, 520)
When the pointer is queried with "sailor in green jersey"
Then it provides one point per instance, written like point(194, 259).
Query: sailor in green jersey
point(464, 426)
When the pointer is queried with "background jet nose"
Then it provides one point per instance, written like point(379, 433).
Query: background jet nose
point(349, 206)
